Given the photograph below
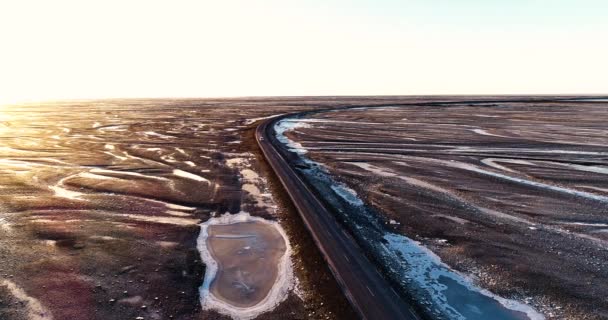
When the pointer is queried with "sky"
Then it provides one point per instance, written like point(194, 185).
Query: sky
point(64, 49)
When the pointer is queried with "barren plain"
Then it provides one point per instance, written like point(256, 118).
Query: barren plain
point(512, 195)
point(102, 204)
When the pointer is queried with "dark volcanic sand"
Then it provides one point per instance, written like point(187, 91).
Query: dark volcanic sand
point(100, 202)
point(514, 193)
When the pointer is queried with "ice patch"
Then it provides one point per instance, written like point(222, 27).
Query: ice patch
point(453, 295)
point(188, 175)
point(100, 172)
point(116, 156)
point(286, 125)
point(594, 169)
point(104, 238)
point(118, 127)
point(62, 192)
point(5, 225)
point(589, 224)
point(428, 271)
point(167, 244)
point(253, 120)
point(339, 121)
point(486, 133)
point(178, 207)
point(34, 309)
point(178, 213)
point(237, 162)
point(90, 175)
point(373, 169)
point(473, 168)
point(249, 175)
point(347, 194)
point(159, 219)
point(252, 183)
point(492, 163)
point(155, 134)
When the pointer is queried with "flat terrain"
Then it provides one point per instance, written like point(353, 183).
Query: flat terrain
point(101, 201)
point(367, 290)
point(515, 194)
point(100, 204)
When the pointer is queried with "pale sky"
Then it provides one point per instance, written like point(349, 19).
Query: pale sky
point(65, 49)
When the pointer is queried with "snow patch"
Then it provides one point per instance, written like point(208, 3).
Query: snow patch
point(286, 125)
point(5, 225)
point(486, 133)
point(34, 309)
point(178, 207)
point(253, 120)
point(253, 184)
point(188, 175)
point(159, 135)
point(347, 194)
point(428, 271)
point(62, 192)
point(416, 264)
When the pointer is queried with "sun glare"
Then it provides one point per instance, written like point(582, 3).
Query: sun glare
point(10, 101)
point(65, 49)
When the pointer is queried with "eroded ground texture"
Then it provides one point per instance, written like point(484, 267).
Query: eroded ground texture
point(101, 201)
point(514, 194)
point(100, 205)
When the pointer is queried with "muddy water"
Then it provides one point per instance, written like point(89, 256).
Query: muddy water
point(248, 256)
